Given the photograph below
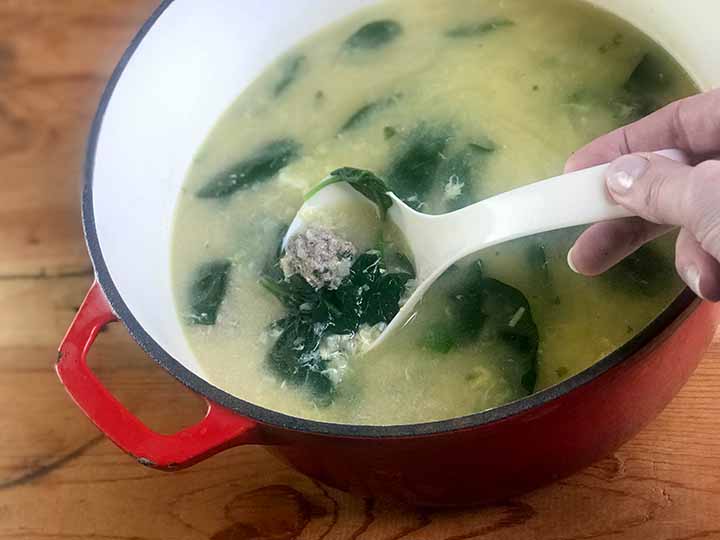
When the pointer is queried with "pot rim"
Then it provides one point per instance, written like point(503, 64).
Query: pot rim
point(269, 417)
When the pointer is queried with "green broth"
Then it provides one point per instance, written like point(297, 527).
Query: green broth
point(451, 102)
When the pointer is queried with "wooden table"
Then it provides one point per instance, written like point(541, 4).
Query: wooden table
point(61, 479)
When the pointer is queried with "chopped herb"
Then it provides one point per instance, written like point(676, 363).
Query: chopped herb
point(290, 70)
point(389, 132)
point(539, 267)
point(374, 35)
point(537, 259)
point(535, 88)
point(614, 43)
point(413, 172)
point(208, 292)
point(319, 97)
point(261, 166)
point(365, 182)
point(562, 372)
point(362, 115)
point(439, 339)
point(483, 143)
point(479, 29)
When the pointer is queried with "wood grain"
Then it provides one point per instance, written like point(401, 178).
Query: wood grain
point(61, 479)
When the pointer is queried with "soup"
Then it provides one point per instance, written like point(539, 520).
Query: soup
point(448, 102)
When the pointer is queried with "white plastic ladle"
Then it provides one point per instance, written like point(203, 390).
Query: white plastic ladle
point(438, 242)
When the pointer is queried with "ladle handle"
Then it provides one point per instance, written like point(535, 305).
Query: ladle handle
point(219, 430)
point(570, 200)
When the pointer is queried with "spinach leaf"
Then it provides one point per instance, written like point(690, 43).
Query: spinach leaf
point(374, 35)
point(413, 172)
point(647, 272)
point(487, 309)
point(460, 171)
point(263, 165)
point(383, 299)
point(296, 359)
point(365, 182)
point(208, 292)
point(369, 295)
point(510, 320)
point(479, 29)
point(363, 114)
point(290, 71)
point(642, 93)
point(648, 77)
point(483, 144)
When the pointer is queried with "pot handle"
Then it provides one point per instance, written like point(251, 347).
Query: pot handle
point(219, 430)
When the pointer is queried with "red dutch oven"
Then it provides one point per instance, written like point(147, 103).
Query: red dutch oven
point(184, 68)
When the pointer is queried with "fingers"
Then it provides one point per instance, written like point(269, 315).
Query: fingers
point(652, 187)
point(670, 193)
point(663, 193)
point(691, 125)
point(698, 269)
point(604, 245)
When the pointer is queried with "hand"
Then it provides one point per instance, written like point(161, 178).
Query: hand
point(664, 193)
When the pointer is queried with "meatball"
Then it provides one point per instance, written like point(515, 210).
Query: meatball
point(320, 256)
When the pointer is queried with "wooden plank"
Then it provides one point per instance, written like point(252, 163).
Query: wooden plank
point(61, 479)
point(665, 484)
point(55, 58)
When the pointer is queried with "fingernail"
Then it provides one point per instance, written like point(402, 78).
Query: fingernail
point(692, 278)
point(570, 262)
point(624, 172)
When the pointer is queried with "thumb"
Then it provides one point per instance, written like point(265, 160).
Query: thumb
point(671, 193)
point(653, 187)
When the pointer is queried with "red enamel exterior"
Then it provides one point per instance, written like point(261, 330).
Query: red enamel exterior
point(471, 466)
point(219, 430)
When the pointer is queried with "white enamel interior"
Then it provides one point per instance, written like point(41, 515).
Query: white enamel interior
point(192, 64)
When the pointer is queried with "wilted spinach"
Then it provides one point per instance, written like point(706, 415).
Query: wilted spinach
point(365, 182)
point(368, 296)
point(481, 307)
point(640, 95)
point(290, 70)
point(479, 29)
point(646, 272)
point(263, 165)
point(362, 115)
point(374, 35)
point(483, 144)
point(413, 172)
point(208, 292)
